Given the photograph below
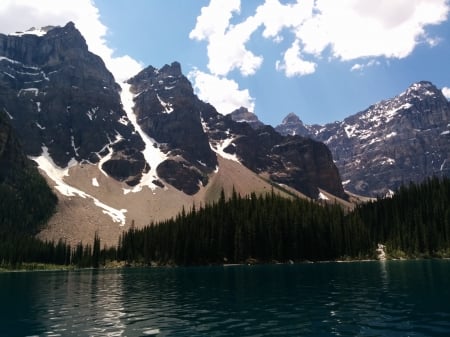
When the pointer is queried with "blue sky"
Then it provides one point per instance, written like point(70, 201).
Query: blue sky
point(322, 59)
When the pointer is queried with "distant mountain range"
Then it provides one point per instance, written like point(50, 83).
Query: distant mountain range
point(393, 142)
point(125, 155)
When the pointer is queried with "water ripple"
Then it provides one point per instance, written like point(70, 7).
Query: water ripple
point(354, 299)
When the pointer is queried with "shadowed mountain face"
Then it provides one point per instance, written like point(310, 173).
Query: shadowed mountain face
point(61, 98)
point(395, 141)
point(168, 111)
point(193, 133)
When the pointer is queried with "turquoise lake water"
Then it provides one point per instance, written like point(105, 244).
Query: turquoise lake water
point(393, 298)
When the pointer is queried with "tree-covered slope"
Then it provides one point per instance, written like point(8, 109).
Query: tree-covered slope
point(413, 223)
point(26, 201)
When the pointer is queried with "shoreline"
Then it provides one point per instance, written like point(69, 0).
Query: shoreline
point(115, 265)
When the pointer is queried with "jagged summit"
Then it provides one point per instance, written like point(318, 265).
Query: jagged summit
point(291, 118)
point(422, 88)
point(397, 140)
point(292, 125)
point(62, 99)
point(243, 115)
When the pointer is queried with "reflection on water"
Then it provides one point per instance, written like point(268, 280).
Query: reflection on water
point(328, 299)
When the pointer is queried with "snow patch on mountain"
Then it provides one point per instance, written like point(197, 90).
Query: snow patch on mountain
point(108, 147)
point(220, 149)
point(166, 105)
point(8, 114)
point(34, 91)
point(57, 174)
point(219, 146)
point(152, 154)
point(34, 31)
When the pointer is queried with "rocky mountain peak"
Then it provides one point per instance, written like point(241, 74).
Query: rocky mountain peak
point(292, 125)
point(169, 112)
point(45, 46)
point(422, 88)
point(291, 118)
point(243, 115)
point(397, 140)
point(61, 98)
point(174, 69)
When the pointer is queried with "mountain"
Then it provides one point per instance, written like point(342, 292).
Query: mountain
point(62, 100)
point(124, 155)
point(393, 142)
point(167, 110)
point(243, 115)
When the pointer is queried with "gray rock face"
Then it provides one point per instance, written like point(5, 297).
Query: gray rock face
point(403, 139)
point(301, 163)
point(243, 115)
point(190, 131)
point(61, 96)
point(169, 112)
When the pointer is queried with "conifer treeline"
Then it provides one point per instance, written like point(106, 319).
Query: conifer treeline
point(414, 222)
point(19, 248)
point(266, 228)
point(26, 201)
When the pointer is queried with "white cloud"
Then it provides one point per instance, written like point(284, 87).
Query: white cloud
point(215, 19)
point(357, 67)
point(20, 15)
point(352, 29)
point(224, 94)
point(344, 30)
point(446, 92)
point(355, 29)
point(293, 64)
point(226, 43)
point(361, 67)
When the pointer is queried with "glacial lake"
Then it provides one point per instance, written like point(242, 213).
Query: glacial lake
point(392, 298)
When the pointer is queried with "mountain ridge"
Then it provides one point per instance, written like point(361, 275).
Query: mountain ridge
point(392, 142)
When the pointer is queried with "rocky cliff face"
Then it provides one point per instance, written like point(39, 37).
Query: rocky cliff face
point(395, 141)
point(60, 96)
point(152, 130)
point(168, 111)
point(243, 115)
point(295, 161)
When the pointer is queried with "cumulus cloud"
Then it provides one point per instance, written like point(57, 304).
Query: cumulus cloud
point(355, 29)
point(293, 64)
point(20, 15)
point(224, 94)
point(226, 43)
point(344, 30)
point(351, 29)
point(446, 92)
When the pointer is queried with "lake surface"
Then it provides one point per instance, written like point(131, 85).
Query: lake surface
point(393, 298)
